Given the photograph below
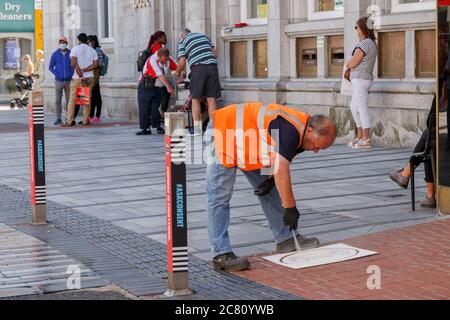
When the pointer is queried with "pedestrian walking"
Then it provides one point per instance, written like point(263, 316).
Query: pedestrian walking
point(61, 68)
point(361, 65)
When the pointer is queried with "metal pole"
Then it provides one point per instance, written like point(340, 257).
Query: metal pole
point(37, 158)
point(177, 243)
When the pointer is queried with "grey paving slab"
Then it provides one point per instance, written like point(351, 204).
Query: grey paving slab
point(47, 266)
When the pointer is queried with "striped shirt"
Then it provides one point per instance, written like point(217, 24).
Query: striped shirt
point(197, 49)
point(365, 69)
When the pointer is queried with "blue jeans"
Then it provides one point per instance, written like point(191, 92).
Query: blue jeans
point(219, 187)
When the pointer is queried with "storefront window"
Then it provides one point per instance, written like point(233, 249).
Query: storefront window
point(412, 5)
point(307, 57)
point(329, 5)
point(335, 56)
point(105, 18)
point(425, 53)
point(258, 9)
point(238, 59)
point(260, 58)
point(392, 55)
point(12, 54)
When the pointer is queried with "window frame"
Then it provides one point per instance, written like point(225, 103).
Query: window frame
point(101, 19)
point(416, 55)
point(322, 15)
point(302, 75)
point(245, 6)
point(245, 75)
point(396, 6)
point(380, 60)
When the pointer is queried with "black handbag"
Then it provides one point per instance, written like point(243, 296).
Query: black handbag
point(148, 82)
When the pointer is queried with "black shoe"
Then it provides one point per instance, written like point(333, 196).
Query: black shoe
point(161, 130)
point(81, 122)
point(230, 262)
point(57, 122)
point(65, 124)
point(305, 244)
point(144, 133)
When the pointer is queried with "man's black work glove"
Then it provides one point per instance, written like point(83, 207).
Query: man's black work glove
point(265, 187)
point(291, 217)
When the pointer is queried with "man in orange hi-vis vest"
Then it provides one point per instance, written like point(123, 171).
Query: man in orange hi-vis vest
point(261, 140)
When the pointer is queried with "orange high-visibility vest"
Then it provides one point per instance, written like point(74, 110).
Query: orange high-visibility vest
point(241, 134)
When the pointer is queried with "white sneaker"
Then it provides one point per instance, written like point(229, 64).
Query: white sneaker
point(195, 132)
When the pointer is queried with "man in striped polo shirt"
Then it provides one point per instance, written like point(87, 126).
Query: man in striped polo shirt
point(198, 50)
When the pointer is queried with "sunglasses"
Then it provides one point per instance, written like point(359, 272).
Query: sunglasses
point(356, 27)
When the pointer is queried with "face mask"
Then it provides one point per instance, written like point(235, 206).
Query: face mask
point(63, 46)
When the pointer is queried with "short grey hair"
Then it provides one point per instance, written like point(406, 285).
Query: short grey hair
point(184, 32)
point(323, 126)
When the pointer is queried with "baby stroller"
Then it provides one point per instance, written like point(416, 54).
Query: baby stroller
point(184, 104)
point(24, 85)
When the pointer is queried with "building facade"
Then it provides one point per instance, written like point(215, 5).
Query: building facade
point(291, 52)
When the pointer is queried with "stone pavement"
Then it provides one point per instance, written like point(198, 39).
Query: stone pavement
point(29, 266)
point(414, 263)
point(106, 187)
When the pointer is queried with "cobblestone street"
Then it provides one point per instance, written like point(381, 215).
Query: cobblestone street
point(106, 192)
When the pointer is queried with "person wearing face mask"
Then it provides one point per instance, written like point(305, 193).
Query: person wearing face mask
point(61, 68)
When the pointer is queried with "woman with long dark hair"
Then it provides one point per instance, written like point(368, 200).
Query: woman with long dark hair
point(96, 96)
point(362, 65)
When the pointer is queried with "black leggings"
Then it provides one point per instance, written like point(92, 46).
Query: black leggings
point(96, 101)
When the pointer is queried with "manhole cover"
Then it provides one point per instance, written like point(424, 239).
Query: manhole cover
point(319, 256)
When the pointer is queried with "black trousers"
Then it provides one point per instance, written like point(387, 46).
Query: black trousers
point(149, 101)
point(96, 101)
point(165, 99)
point(420, 146)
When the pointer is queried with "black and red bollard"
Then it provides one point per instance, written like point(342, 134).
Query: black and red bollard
point(176, 207)
point(37, 158)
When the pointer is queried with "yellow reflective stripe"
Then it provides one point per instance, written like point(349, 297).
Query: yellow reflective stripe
point(263, 141)
point(240, 142)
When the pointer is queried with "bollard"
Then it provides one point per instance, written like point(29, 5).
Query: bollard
point(37, 158)
point(177, 244)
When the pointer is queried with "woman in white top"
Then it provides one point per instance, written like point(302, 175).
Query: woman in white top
point(361, 65)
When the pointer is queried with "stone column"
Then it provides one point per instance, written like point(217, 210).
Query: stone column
point(218, 21)
point(410, 55)
point(322, 57)
point(278, 41)
point(250, 60)
point(197, 15)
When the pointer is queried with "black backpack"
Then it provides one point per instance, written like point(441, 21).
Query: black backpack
point(142, 59)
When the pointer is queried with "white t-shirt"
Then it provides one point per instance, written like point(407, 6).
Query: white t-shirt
point(86, 56)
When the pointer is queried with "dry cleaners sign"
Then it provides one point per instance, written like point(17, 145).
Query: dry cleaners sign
point(16, 15)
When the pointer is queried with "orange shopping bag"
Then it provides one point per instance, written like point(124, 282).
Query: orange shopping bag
point(83, 96)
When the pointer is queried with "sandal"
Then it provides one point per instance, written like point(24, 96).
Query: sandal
point(353, 142)
point(361, 144)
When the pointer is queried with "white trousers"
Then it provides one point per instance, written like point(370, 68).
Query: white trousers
point(360, 103)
